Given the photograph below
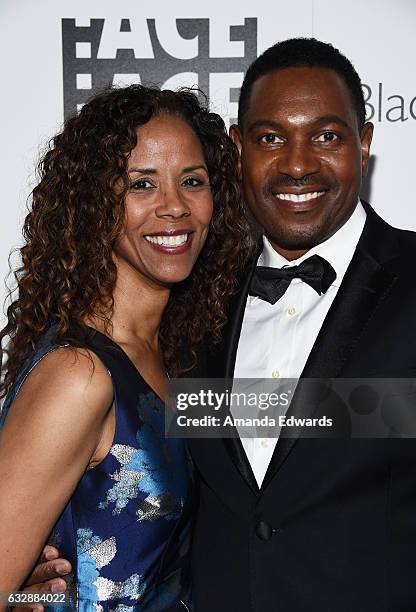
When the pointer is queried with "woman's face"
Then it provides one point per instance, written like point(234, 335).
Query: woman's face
point(169, 205)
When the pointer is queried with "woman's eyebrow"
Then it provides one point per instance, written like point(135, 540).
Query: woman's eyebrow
point(193, 168)
point(143, 170)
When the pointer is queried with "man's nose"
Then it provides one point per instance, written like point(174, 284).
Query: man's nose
point(172, 204)
point(297, 160)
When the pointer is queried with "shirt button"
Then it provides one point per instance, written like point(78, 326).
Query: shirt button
point(264, 531)
point(291, 311)
point(275, 374)
point(264, 443)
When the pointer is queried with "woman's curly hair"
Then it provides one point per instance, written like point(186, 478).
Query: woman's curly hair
point(67, 274)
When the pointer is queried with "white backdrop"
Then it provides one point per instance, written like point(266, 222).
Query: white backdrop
point(211, 45)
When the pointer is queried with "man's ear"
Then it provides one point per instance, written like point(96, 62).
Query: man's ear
point(236, 138)
point(366, 138)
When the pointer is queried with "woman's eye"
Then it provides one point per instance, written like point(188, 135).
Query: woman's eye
point(141, 184)
point(327, 137)
point(191, 181)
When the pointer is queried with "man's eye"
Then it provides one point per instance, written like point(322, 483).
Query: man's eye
point(327, 137)
point(271, 139)
point(191, 181)
point(141, 184)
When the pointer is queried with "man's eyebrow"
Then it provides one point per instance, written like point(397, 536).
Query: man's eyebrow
point(264, 123)
point(331, 119)
point(275, 125)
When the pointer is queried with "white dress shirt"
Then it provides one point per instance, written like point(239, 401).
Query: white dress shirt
point(276, 339)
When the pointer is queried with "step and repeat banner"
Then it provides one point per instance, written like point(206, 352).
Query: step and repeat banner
point(56, 54)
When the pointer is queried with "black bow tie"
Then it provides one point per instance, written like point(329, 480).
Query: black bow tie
point(270, 284)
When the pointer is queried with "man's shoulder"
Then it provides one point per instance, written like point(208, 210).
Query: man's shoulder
point(407, 238)
point(396, 251)
point(406, 241)
point(383, 237)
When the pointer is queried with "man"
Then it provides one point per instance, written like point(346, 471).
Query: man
point(310, 524)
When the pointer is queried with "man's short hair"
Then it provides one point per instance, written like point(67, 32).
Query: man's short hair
point(299, 52)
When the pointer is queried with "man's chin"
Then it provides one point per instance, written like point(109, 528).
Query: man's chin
point(296, 241)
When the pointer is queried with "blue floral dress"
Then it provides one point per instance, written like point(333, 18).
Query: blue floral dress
point(126, 528)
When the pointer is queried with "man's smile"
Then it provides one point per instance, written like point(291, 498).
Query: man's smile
point(298, 197)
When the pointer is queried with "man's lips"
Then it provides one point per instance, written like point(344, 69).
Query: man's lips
point(299, 196)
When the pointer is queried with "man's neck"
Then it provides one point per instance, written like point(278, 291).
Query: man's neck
point(289, 255)
point(338, 249)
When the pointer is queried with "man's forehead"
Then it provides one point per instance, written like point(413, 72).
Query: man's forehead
point(311, 77)
point(294, 91)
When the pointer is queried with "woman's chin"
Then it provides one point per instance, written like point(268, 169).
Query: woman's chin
point(172, 277)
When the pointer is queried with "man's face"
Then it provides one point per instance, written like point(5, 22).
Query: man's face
point(303, 156)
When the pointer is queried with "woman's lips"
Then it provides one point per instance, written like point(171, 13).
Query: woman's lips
point(170, 243)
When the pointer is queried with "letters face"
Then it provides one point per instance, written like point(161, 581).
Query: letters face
point(209, 53)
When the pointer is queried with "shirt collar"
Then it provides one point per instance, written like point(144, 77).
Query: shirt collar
point(338, 249)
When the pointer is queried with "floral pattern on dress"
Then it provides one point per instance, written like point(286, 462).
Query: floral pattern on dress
point(145, 469)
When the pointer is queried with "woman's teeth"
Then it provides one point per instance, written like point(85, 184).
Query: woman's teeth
point(168, 241)
point(303, 197)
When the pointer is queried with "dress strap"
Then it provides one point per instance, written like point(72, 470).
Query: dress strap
point(43, 348)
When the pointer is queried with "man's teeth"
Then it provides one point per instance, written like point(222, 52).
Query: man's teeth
point(303, 197)
point(168, 241)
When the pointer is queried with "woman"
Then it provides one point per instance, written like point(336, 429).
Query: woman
point(137, 191)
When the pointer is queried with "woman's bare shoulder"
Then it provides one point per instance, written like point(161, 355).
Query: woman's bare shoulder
point(68, 375)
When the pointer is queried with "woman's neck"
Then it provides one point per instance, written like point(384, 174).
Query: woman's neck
point(138, 307)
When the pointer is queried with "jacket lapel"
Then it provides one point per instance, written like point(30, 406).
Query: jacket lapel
point(221, 364)
point(221, 361)
point(366, 284)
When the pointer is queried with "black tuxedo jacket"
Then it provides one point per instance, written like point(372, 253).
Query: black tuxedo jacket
point(333, 527)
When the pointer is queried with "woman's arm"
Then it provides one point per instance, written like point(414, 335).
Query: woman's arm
point(50, 436)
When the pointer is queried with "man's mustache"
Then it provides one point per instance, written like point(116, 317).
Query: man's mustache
point(273, 185)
